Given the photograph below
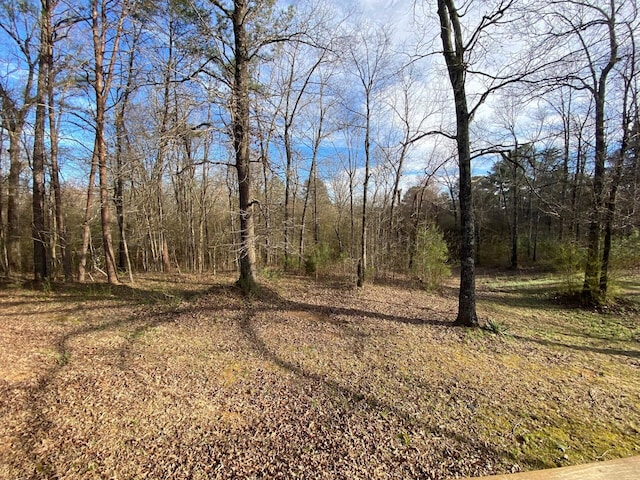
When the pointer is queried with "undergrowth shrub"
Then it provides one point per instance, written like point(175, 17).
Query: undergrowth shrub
point(271, 273)
point(494, 251)
point(625, 255)
point(431, 255)
point(568, 260)
point(320, 256)
point(625, 252)
point(495, 327)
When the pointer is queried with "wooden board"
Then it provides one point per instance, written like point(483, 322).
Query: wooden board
point(621, 469)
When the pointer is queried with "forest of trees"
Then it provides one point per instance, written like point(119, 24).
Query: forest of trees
point(213, 135)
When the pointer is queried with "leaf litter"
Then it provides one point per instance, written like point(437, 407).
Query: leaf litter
point(306, 379)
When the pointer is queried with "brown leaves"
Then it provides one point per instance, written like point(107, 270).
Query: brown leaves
point(302, 381)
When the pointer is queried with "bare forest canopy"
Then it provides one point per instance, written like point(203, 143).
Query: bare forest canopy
point(211, 135)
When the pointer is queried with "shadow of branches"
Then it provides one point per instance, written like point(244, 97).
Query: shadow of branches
point(37, 397)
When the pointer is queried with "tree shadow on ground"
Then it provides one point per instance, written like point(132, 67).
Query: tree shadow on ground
point(269, 300)
point(535, 299)
point(77, 294)
point(344, 282)
point(397, 281)
point(265, 301)
point(581, 348)
point(38, 396)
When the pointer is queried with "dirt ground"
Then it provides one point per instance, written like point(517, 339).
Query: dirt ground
point(185, 378)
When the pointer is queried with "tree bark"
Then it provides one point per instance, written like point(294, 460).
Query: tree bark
point(14, 249)
point(86, 227)
point(55, 178)
point(3, 244)
point(615, 181)
point(362, 262)
point(591, 286)
point(247, 280)
point(288, 215)
point(122, 146)
point(101, 85)
point(454, 57)
point(39, 228)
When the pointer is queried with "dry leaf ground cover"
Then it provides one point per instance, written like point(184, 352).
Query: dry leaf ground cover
point(186, 378)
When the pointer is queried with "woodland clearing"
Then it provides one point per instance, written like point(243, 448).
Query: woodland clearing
point(184, 377)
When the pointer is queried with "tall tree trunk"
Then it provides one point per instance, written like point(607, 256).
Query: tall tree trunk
point(39, 228)
point(288, 215)
point(162, 150)
point(122, 145)
point(515, 217)
point(105, 211)
point(203, 245)
point(266, 211)
point(3, 244)
point(86, 227)
point(352, 212)
point(305, 204)
point(530, 222)
point(362, 262)
point(55, 178)
point(118, 194)
point(264, 141)
point(14, 250)
point(101, 88)
point(456, 66)
point(247, 279)
point(615, 183)
point(316, 219)
point(292, 104)
point(312, 185)
point(591, 286)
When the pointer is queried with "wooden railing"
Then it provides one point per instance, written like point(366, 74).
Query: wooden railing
point(621, 469)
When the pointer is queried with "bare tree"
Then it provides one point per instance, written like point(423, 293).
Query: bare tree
point(163, 145)
point(369, 56)
point(3, 245)
point(629, 118)
point(244, 30)
point(240, 115)
point(455, 49)
point(54, 117)
point(460, 43)
point(319, 131)
point(122, 150)
point(40, 263)
point(265, 132)
point(593, 30)
point(296, 81)
point(106, 38)
point(409, 114)
point(19, 23)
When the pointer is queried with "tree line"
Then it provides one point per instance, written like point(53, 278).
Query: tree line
point(214, 135)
